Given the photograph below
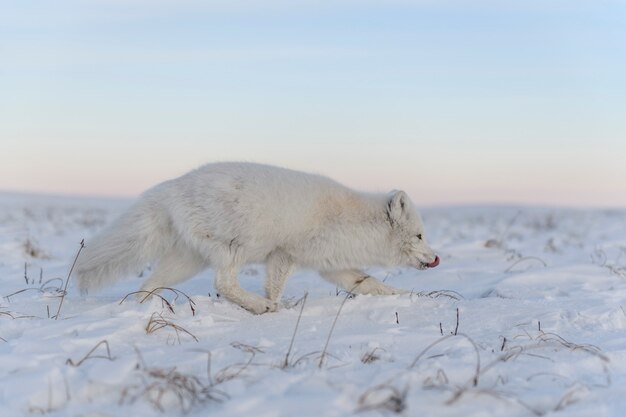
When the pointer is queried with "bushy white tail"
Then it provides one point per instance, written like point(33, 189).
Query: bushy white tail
point(139, 236)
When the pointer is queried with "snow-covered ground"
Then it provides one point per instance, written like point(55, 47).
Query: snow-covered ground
point(540, 296)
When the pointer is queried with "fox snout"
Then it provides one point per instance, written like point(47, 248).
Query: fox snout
point(427, 265)
point(434, 263)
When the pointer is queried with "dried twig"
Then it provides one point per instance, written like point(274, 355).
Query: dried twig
point(332, 328)
point(88, 355)
point(164, 301)
point(570, 397)
point(443, 339)
point(527, 258)
point(82, 245)
point(384, 398)
point(41, 289)
point(157, 384)
point(158, 322)
point(14, 317)
point(233, 371)
point(440, 293)
point(591, 349)
point(600, 258)
point(371, 356)
point(295, 330)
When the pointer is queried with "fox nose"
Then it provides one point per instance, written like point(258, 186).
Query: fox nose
point(434, 263)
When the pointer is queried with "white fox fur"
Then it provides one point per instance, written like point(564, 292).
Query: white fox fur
point(225, 215)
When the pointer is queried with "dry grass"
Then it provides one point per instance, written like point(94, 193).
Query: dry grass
point(167, 388)
point(599, 257)
point(236, 370)
point(474, 379)
point(32, 250)
point(14, 316)
point(324, 353)
point(384, 398)
point(524, 260)
point(158, 322)
point(295, 331)
point(164, 302)
point(82, 245)
point(453, 295)
point(163, 388)
point(90, 356)
point(43, 288)
point(371, 356)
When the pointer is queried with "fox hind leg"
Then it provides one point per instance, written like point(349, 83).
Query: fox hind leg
point(227, 285)
point(279, 266)
point(227, 264)
point(177, 265)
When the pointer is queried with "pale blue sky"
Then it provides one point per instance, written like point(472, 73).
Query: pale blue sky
point(454, 101)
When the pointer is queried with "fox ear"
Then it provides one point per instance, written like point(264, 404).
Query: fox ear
point(397, 206)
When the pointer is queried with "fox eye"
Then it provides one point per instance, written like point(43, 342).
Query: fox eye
point(419, 236)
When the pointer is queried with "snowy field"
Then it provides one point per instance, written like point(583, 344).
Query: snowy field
point(526, 315)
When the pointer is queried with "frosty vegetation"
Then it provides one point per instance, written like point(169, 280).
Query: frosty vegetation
point(525, 316)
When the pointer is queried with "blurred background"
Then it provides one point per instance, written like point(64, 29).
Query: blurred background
point(457, 102)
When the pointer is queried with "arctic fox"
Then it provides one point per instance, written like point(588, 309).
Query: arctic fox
point(225, 215)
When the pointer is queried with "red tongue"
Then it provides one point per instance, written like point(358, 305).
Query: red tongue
point(434, 263)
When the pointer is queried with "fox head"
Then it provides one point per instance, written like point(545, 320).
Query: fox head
point(407, 236)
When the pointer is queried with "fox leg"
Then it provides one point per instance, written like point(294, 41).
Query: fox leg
point(177, 265)
point(227, 263)
point(227, 285)
point(279, 267)
point(359, 282)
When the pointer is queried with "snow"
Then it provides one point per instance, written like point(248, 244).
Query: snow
point(540, 295)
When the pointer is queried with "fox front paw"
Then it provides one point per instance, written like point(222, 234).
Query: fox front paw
point(261, 306)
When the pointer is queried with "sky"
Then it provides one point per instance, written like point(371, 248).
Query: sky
point(456, 102)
